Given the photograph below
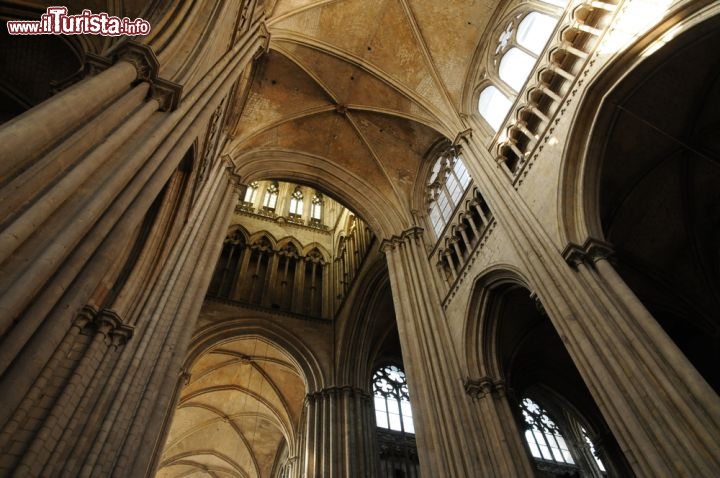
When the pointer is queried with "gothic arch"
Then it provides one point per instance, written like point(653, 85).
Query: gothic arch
point(480, 327)
point(646, 183)
point(243, 395)
point(255, 237)
point(303, 357)
point(290, 240)
point(237, 228)
point(578, 207)
point(364, 331)
point(314, 245)
point(513, 348)
point(384, 216)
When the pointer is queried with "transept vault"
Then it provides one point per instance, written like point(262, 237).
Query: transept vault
point(361, 238)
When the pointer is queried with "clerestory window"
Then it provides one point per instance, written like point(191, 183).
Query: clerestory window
point(519, 46)
point(447, 184)
point(271, 196)
point(316, 208)
point(296, 203)
point(392, 401)
point(251, 193)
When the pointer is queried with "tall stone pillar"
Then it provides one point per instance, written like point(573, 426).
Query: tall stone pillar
point(663, 414)
point(106, 253)
point(450, 437)
point(339, 434)
point(504, 438)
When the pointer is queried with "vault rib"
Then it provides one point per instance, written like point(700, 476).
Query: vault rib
point(428, 57)
point(404, 90)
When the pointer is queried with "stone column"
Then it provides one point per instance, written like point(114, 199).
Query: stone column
point(664, 416)
point(504, 438)
point(83, 400)
point(339, 434)
point(450, 438)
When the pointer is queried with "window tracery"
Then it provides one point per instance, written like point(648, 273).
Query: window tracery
point(542, 435)
point(251, 193)
point(593, 450)
point(561, 442)
point(316, 208)
point(392, 399)
point(519, 45)
point(296, 204)
point(271, 196)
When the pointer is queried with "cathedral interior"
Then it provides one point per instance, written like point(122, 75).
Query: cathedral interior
point(362, 238)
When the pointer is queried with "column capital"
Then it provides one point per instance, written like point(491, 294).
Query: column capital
point(481, 387)
point(391, 242)
point(106, 322)
point(142, 57)
point(264, 33)
point(590, 252)
point(118, 330)
point(85, 316)
point(347, 390)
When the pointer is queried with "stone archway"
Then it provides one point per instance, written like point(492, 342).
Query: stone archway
point(647, 186)
point(238, 414)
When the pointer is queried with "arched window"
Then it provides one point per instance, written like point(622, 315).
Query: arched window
point(494, 106)
point(251, 193)
point(271, 196)
point(296, 203)
point(392, 401)
point(542, 435)
point(518, 47)
point(448, 181)
point(316, 208)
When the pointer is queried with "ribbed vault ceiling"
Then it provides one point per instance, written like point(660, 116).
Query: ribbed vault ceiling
point(369, 85)
point(237, 413)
